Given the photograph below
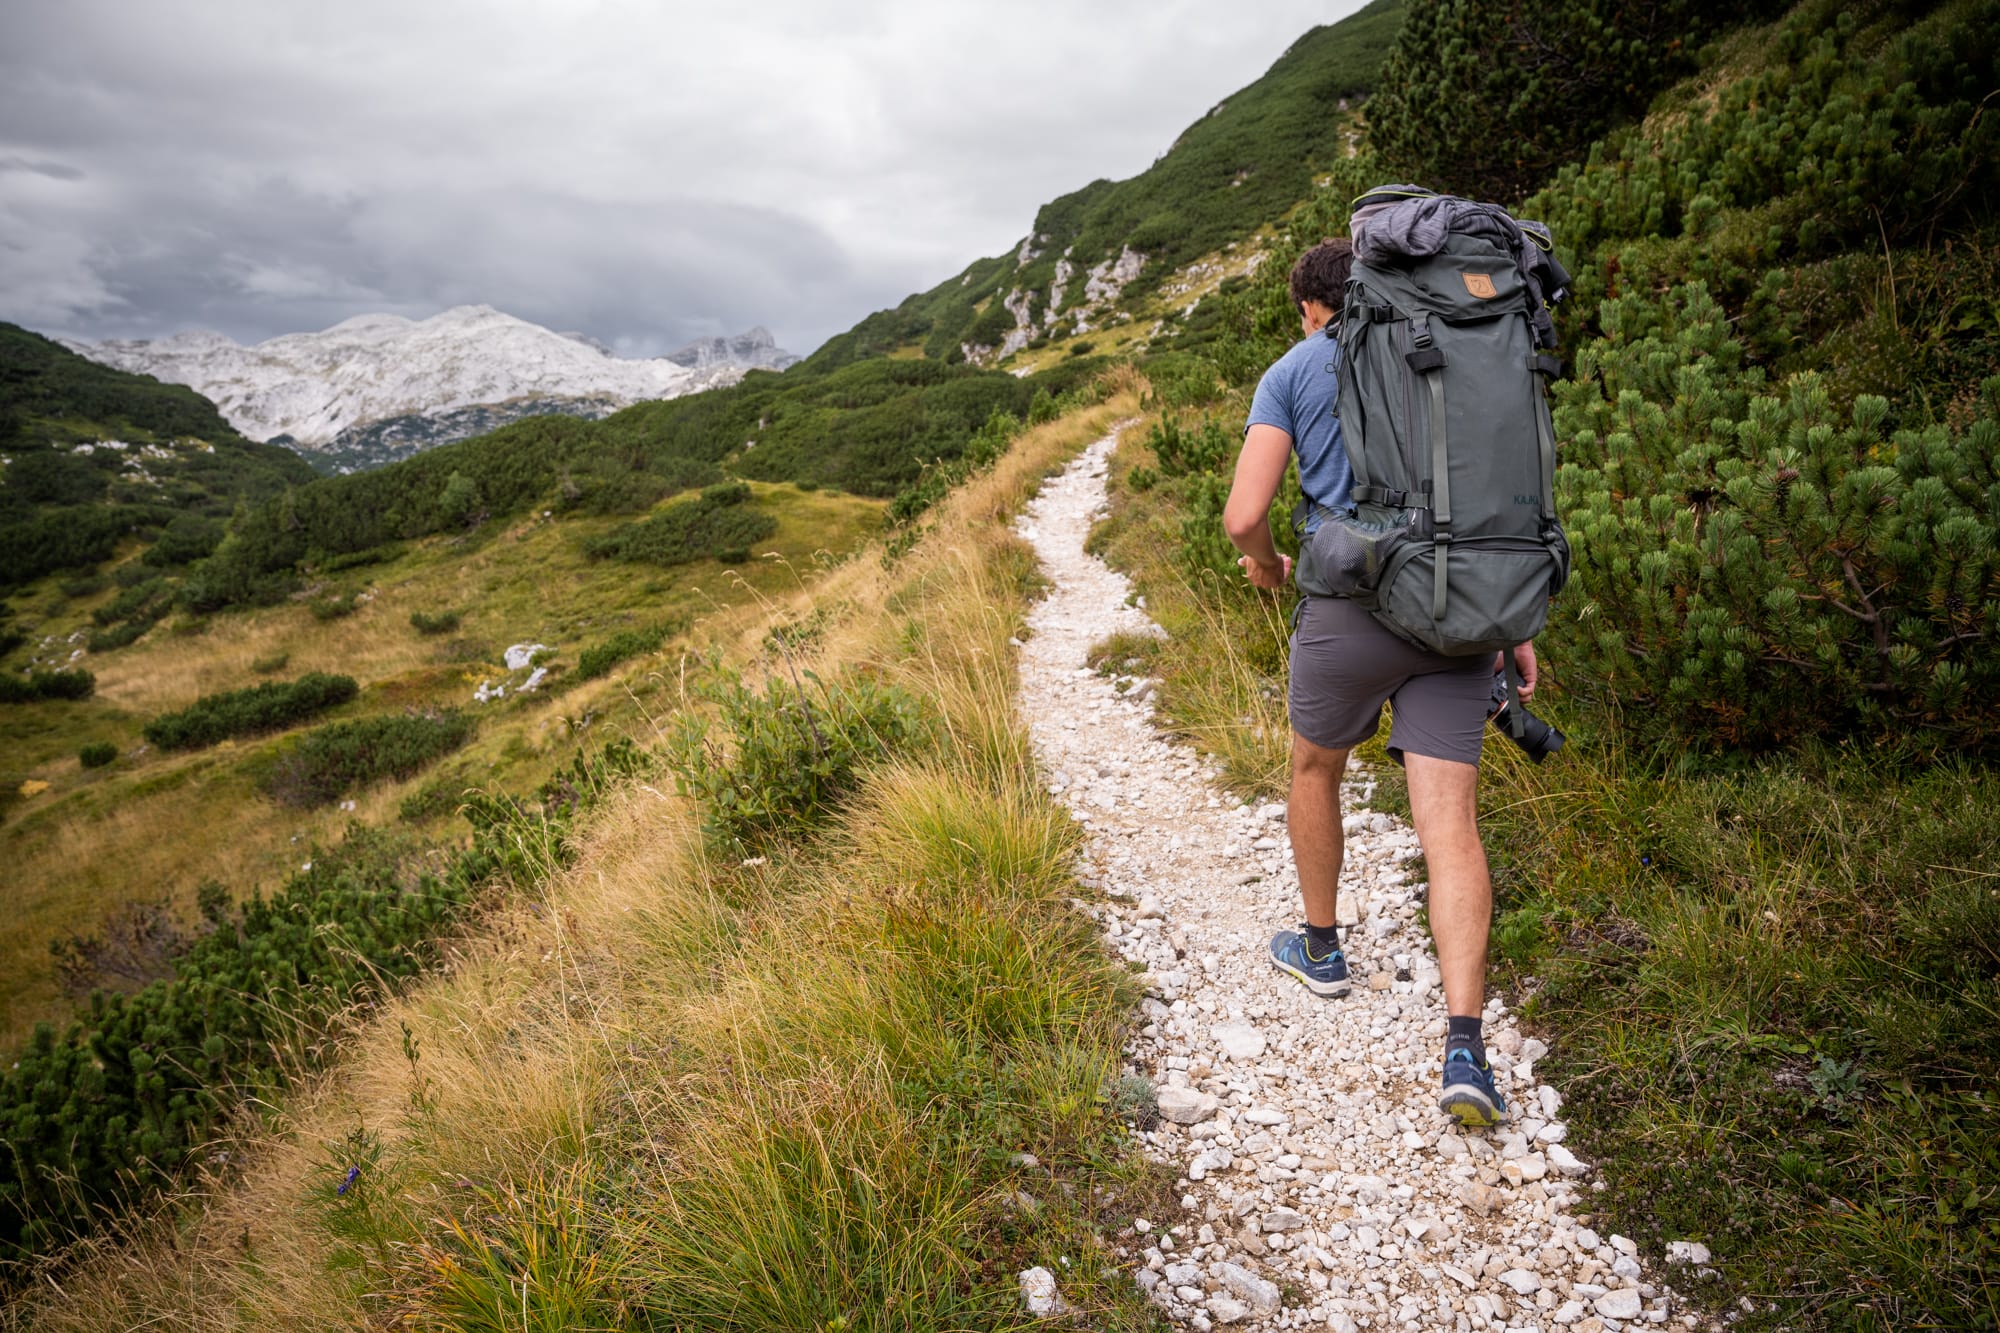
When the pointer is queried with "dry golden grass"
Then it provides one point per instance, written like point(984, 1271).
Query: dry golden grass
point(638, 1028)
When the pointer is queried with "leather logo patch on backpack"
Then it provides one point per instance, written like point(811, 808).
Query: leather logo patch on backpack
point(1480, 285)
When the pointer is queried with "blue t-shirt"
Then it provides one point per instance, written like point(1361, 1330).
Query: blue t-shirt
point(1296, 395)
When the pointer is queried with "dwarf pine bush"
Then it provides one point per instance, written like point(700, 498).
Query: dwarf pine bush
point(716, 520)
point(1757, 566)
point(336, 759)
point(62, 683)
point(214, 718)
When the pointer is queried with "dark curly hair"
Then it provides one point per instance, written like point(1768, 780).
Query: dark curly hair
point(1321, 273)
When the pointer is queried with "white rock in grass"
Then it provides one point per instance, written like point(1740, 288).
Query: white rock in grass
point(1038, 1290)
point(1687, 1252)
point(521, 656)
point(1565, 1161)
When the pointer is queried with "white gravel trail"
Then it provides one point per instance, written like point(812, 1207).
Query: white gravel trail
point(1322, 1186)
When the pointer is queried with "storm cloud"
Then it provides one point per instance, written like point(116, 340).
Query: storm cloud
point(643, 173)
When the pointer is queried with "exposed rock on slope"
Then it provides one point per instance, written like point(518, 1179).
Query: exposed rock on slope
point(316, 387)
point(754, 350)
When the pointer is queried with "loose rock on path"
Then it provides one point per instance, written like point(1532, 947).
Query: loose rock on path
point(1322, 1186)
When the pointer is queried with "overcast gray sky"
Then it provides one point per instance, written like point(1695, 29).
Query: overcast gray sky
point(645, 173)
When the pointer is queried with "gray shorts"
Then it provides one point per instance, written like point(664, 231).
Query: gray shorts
point(1345, 666)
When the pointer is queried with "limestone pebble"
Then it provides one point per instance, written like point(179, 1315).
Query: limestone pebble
point(1320, 1186)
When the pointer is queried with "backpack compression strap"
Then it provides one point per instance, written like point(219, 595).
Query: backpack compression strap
point(1426, 360)
point(1545, 370)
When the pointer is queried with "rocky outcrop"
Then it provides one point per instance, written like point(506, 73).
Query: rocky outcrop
point(1103, 284)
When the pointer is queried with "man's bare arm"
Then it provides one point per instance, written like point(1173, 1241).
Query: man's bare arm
point(1260, 470)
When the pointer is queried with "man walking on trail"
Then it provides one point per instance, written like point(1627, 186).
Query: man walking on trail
point(1344, 667)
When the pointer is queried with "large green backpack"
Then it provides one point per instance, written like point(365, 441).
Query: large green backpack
point(1454, 543)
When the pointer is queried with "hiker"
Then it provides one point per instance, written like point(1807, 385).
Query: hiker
point(1344, 666)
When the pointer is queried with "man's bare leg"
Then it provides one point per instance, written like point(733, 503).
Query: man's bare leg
point(1313, 818)
point(1444, 807)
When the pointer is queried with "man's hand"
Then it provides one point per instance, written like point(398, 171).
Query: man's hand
point(1524, 660)
point(1268, 577)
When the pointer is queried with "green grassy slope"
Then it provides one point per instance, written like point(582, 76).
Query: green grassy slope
point(1244, 164)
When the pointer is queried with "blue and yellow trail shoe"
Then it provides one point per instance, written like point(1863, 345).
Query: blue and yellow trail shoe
point(1326, 975)
point(1469, 1095)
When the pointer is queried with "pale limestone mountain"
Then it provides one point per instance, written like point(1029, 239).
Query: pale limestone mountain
point(471, 364)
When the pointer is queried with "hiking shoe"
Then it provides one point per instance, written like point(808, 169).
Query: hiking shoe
point(1469, 1095)
point(1325, 976)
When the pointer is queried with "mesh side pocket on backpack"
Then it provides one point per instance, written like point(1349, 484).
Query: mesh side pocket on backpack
point(1349, 553)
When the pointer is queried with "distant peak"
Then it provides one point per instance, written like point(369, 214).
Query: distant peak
point(754, 347)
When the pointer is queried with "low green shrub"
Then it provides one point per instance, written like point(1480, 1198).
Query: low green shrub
point(268, 665)
point(623, 485)
point(1204, 446)
point(216, 717)
point(137, 600)
point(444, 622)
point(1758, 567)
point(337, 607)
point(599, 658)
point(107, 640)
point(374, 555)
point(718, 519)
point(97, 754)
point(792, 753)
point(187, 538)
point(328, 763)
point(62, 683)
point(439, 796)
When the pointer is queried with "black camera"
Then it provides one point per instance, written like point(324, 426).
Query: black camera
point(1537, 739)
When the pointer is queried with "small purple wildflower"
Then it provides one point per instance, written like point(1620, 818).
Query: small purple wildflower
point(353, 1174)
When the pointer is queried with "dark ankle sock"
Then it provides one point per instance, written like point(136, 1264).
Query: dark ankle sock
point(1321, 940)
point(1464, 1032)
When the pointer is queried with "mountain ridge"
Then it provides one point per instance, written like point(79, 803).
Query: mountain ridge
point(312, 391)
